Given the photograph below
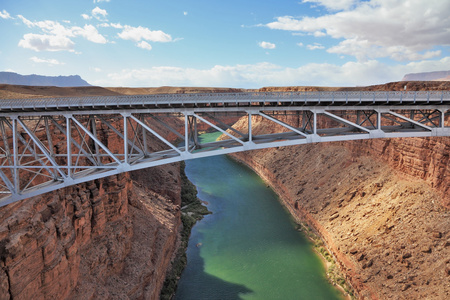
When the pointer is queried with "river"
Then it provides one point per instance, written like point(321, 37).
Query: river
point(249, 247)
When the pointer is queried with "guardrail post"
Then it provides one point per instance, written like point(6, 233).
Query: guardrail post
point(250, 138)
point(186, 132)
point(125, 138)
point(378, 119)
point(315, 123)
point(69, 146)
point(15, 154)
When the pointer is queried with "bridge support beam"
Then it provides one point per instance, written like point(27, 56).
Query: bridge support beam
point(43, 152)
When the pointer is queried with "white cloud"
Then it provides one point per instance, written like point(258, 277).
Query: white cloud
point(26, 21)
point(217, 76)
point(334, 4)
point(137, 34)
point(267, 45)
point(185, 13)
point(401, 30)
point(315, 46)
point(319, 34)
point(98, 1)
point(265, 74)
point(43, 42)
point(144, 45)
point(48, 27)
point(57, 37)
point(99, 14)
point(51, 62)
point(90, 33)
point(113, 25)
point(362, 50)
point(5, 15)
point(116, 25)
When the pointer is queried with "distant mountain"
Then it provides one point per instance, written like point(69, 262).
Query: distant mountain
point(39, 80)
point(428, 76)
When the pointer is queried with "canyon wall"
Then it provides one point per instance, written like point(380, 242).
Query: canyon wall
point(112, 238)
point(381, 206)
point(423, 158)
point(417, 158)
point(388, 234)
point(109, 238)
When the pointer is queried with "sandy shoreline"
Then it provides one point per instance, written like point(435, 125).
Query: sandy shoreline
point(326, 264)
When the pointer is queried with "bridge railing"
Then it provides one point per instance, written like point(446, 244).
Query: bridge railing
point(41, 151)
point(339, 97)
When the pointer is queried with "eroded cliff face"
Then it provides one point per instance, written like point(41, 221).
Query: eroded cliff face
point(110, 238)
point(381, 206)
point(390, 236)
point(417, 158)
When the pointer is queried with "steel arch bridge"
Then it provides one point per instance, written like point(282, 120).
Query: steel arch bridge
point(50, 143)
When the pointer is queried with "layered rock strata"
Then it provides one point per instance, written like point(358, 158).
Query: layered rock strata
point(110, 238)
point(381, 207)
point(377, 204)
point(389, 235)
point(416, 158)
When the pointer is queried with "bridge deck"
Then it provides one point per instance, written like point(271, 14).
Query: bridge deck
point(50, 143)
point(219, 100)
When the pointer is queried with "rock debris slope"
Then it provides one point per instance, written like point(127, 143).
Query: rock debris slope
point(381, 206)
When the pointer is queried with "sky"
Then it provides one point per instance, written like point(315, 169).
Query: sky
point(233, 43)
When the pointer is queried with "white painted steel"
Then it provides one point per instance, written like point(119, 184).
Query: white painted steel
point(230, 99)
point(60, 142)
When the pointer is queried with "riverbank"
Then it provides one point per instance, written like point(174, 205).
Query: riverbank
point(250, 248)
point(334, 275)
point(367, 216)
point(192, 211)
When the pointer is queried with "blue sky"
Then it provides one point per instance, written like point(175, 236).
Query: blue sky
point(245, 43)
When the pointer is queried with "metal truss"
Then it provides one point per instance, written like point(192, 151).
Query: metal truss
point(45, 148)
point(226, 99)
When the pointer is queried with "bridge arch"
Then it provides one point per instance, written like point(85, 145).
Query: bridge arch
point(47, 144)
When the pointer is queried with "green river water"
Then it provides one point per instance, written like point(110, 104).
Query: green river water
point(248, 248)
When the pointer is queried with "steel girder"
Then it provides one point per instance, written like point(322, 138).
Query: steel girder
point(248, 99)
point(42, 153)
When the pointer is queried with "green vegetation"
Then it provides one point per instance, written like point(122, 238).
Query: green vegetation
point(192, 210)
point(333, 274)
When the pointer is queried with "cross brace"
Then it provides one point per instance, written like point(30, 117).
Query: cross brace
point(39, 154)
